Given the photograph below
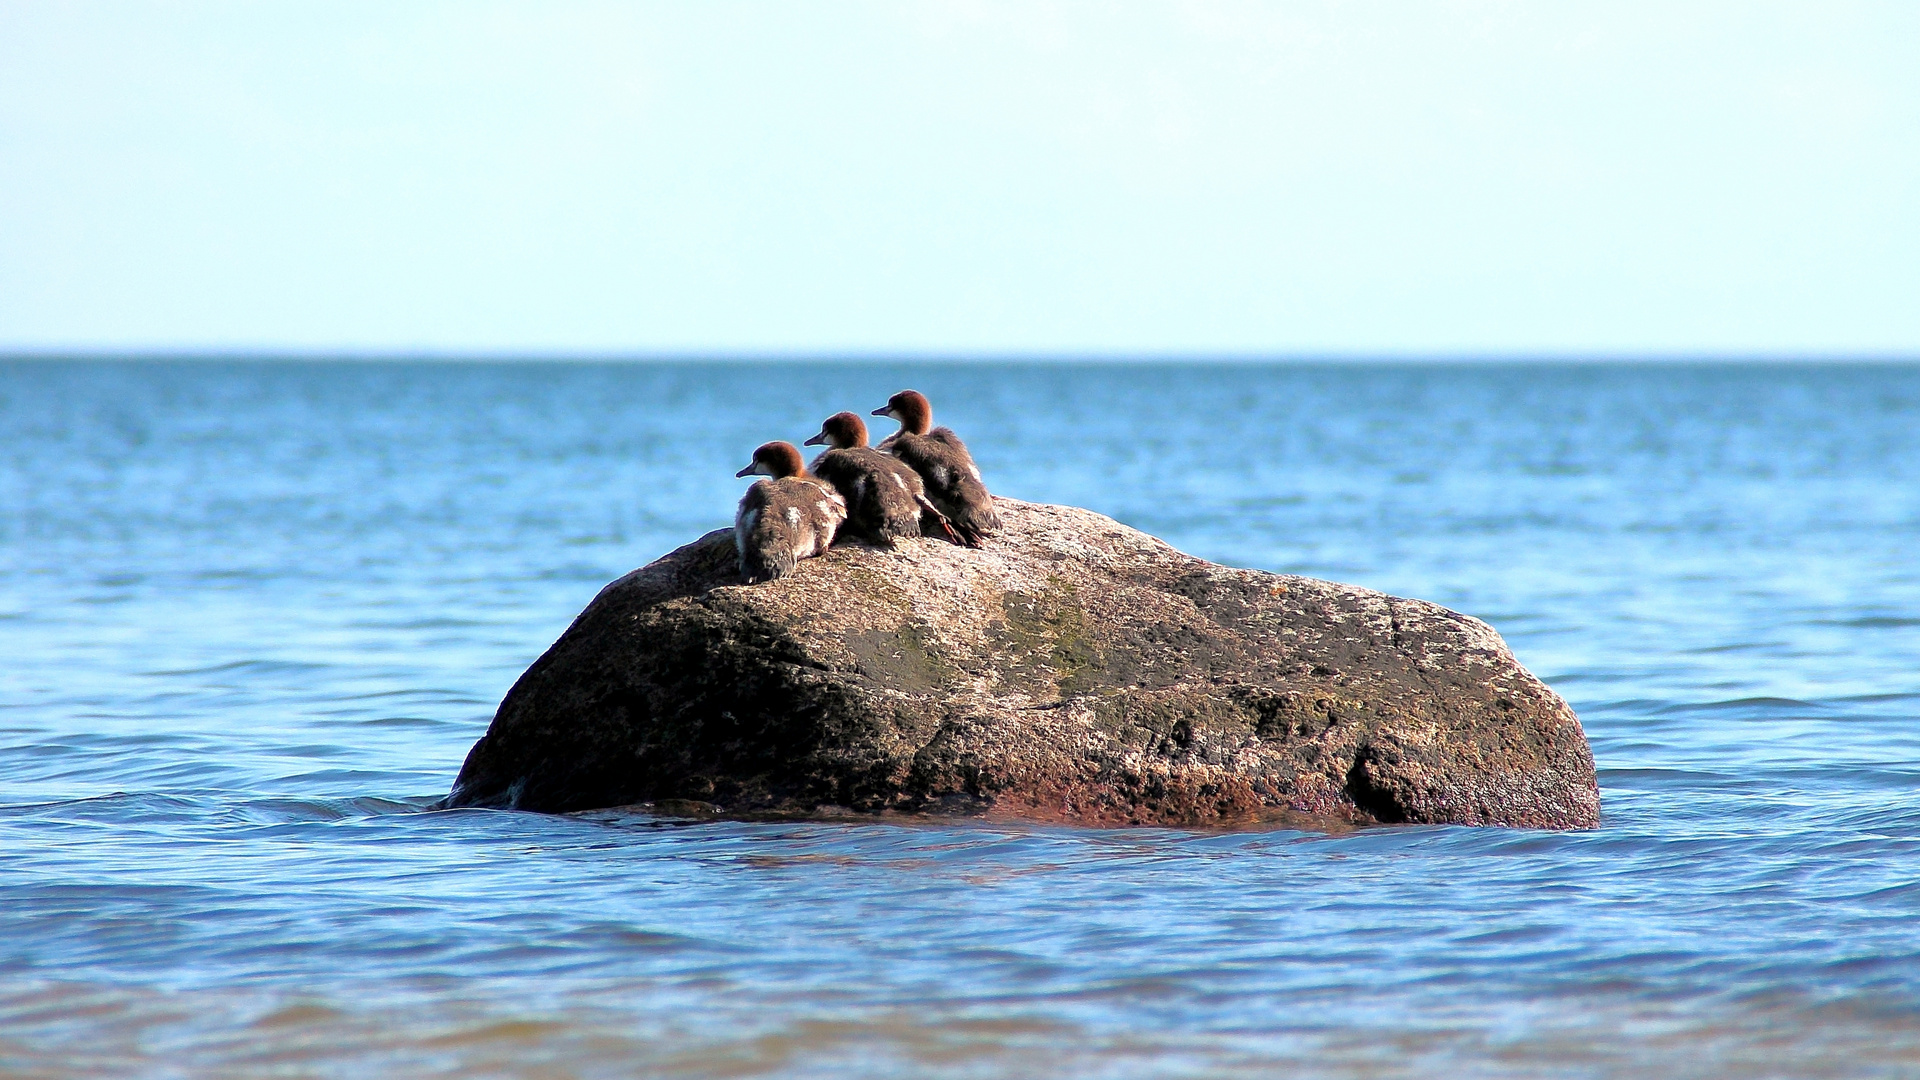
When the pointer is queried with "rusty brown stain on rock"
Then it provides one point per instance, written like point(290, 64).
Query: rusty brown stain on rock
point(1073, 670)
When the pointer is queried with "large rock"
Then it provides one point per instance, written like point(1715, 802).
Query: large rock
point(1073, 670)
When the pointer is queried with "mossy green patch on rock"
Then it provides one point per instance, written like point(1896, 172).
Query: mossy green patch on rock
point(1045, 633)
point(903, 658)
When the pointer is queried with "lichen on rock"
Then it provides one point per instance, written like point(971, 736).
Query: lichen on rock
point(1072, 670)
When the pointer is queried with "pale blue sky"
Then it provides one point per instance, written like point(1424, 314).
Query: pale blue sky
point(1610, 178)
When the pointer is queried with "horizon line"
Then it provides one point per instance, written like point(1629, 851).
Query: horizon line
point(283, 354)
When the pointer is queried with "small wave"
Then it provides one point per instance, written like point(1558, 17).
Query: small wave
point(577, 572)
point(411, 722)
point(434, 695)
point(1733, 647)
point(1909, 890)
point(1878, 699)
point(219, 574)
point(431, 622)
point(334, 778)
point(1629, 706)
point(293, 810)
point(1767, 706)
point(115, 806)
point(251, 666)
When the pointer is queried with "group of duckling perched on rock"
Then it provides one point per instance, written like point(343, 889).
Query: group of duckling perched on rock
point(919, 481)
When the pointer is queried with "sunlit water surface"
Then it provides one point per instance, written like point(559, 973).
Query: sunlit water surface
point(252, 616)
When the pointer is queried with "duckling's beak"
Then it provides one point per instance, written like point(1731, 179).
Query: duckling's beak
point(884, 410)
point(748, 471)
point(816, 440)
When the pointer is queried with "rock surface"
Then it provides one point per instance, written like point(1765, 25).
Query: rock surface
point(1073, 670)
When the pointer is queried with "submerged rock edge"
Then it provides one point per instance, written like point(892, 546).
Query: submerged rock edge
point(1075, 670)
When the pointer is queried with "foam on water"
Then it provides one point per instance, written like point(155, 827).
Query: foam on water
point(254, 615)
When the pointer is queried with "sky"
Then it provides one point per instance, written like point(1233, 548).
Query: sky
point(961, 178)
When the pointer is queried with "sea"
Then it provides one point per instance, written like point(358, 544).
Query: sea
point(253, 612)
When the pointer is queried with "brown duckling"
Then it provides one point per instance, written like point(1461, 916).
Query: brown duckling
point(792, 516)
point(952, 480)
point(885, 499)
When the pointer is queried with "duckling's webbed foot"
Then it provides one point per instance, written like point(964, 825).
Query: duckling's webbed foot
point(931, 517)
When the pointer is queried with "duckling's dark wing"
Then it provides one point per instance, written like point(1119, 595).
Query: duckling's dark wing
point(945, 437)
point(953, 482)
point(882, 495)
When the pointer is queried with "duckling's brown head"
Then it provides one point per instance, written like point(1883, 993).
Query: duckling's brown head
point(912, 409)
point(841, 431)
point(775, 459)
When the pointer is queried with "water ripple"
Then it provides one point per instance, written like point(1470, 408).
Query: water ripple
point(256, 614)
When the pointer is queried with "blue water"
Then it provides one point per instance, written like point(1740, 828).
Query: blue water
point(253, 614)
